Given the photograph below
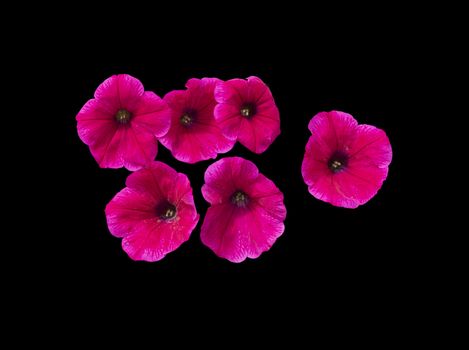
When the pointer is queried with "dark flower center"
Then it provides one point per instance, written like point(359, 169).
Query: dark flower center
point(187, 119)
point(123, 116)
point(248, 110)
point(166, 211)
point(240, 199)
point(338, 162)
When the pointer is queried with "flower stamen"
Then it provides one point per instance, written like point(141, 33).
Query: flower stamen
point(166, 211)
point(248, 110)
point(338, 162)
point(336, 165)
point(240, 199)
point(187, 119)
point(123, 116)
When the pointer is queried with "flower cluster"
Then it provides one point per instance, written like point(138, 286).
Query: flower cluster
point(155, 214)
point(345, 164)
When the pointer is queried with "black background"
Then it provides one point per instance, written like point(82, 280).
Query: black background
point(328, 245)
point(336, 267)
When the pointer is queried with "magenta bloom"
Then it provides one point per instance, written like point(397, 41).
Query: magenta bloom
point(122, 122)
point(194, 135)
point(247, 211)
point(345, 163)
point(155, 214)
point(246, 111)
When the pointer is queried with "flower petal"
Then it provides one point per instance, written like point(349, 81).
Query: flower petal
point(267, 197)
point(327, 190)
point(258, 92)
point(333, 131)
point(153, 242)
point(258, 133)
point(176, 99)
point(153, 114)
point(202, 94)
point(123, 90)
point(180, 193)
point(96, 133)
point(138, 148)
point(229, 119)
point(238, 233)
point(360, 184)
point(233, 92)
point(103, 138)
point(314, 163)
point(371, 147)
point(157, 179)
point(197, 144)
point(115, 146)
point(370, 156)
point(128, 209)
point(96, 110)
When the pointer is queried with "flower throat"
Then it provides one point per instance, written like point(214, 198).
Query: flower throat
point(123, 116)
point(338, 162)
point(187, 119)
point(240, 199)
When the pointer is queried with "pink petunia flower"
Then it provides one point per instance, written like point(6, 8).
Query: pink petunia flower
point(122, 122)
point(194, 135)
point(247, 210)
point(345, 163)
point(246, 111)
point(155, 214)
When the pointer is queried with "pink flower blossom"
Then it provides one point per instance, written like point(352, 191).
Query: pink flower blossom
point(246, 112)
point(345, 163)
point(122, 122)
point(155, 214)
point(247, 210)
point(194, 135)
